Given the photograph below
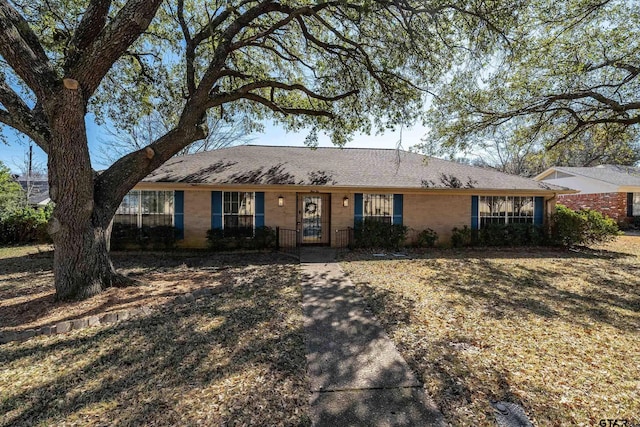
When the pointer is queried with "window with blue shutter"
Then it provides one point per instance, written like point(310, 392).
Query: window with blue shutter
point(216, 210)
point(259, 209)
point(178, 214)
point(538, 211)
point(357, 216)
point(397, 209)
point(474, 212)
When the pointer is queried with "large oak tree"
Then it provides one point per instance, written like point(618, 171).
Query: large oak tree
point(329, 65)
point(567, 88)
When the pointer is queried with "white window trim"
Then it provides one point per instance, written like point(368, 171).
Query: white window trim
point(139, 206)
point(253, 205)
point(508, 218)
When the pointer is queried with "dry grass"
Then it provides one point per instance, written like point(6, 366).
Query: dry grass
point(557, 332)
point(233, 359)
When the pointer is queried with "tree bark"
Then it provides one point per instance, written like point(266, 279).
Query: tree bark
point(78, 226)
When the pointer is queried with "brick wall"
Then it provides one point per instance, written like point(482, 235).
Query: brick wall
point(440, 213)
point(614, 205)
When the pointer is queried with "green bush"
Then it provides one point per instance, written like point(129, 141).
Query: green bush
point(129, 236)
point(263, 238)
point(377, 234)
point(26, 225)
point(427, 238)
point(510, 235)
point(461, 237)
point(584, 227)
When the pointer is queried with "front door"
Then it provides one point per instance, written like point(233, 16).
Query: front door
point(313, 216)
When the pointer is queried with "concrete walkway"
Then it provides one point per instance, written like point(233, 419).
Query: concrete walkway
point(357, 376)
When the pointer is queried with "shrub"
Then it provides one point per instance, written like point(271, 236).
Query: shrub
point(26, 225)
point(129, 236)
point(571, 228)
point(461, 237)
point(427, 238)
point(263, 238)
point(377, 234)
point(510, 235)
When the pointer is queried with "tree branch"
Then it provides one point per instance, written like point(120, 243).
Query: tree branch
point(112, 42)
point(93, 21)
point(20, 117)
point(20, 47)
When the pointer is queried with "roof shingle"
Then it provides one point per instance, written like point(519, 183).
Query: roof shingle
point(345, 167)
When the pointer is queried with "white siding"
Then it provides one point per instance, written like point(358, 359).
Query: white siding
point(584, 184)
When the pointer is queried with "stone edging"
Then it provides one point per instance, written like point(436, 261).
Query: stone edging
point(110, 317)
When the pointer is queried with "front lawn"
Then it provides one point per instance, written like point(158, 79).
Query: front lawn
point(235, 358)
point(557, 332)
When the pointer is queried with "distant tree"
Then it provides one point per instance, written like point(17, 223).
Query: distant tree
point(11, 193)
point(569, 83)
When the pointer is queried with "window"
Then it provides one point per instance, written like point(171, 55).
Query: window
point(377, 207)
point(238, 214)
point(636, 204)
point(505, 210)
point(146, 208)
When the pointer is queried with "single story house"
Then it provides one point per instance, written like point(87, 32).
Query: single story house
point(321, 192)
point(36, 188)
point(610, 189)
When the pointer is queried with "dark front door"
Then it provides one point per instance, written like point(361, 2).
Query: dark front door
point(313, 216)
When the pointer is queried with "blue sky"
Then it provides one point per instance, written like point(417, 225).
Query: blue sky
point(13, 155)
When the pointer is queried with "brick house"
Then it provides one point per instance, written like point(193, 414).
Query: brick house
point(610, 189)
point(318, 193)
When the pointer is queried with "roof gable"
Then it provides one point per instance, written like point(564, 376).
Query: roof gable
point(611, 174)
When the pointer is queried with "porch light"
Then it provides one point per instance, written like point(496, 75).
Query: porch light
point(280, 201)
point(345, 202)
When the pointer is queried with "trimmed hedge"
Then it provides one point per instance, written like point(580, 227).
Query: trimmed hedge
point(127, 236)
point(565, 228)
point(263, 238)
point(376, 234)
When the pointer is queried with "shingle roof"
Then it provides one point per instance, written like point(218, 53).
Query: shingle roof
point(347, 167)
point(613, 174)
point(39, 192)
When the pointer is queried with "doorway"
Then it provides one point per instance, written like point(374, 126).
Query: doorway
point(313, 218)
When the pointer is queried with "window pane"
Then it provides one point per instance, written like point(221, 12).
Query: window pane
point(636, 204)
point(153, 208)
point(238, 214)
point(378, 206)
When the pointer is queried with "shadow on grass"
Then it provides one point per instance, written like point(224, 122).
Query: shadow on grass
point(178, 266)
point(575, 290)
point(233, 358)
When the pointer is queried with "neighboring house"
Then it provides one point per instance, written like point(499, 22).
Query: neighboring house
point(324, 191)
point(36, 188)
point(610, 189)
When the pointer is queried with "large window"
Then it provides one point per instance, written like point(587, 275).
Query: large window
point(377, 207)
point(505, 210)
point(146, 208)
point(238, 213)
point(636, 204)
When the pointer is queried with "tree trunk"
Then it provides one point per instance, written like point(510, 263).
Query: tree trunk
point(79, 227)
point(82, 267)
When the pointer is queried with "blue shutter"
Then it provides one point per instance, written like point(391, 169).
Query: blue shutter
point(178, 213)
point(474, 213)
point(397, 209)
point(630, 205)
point(538, 210)
point(357, 209)
point(259, 209)
point(216, 210)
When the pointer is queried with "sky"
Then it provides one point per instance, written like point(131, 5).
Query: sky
point(14, 154)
